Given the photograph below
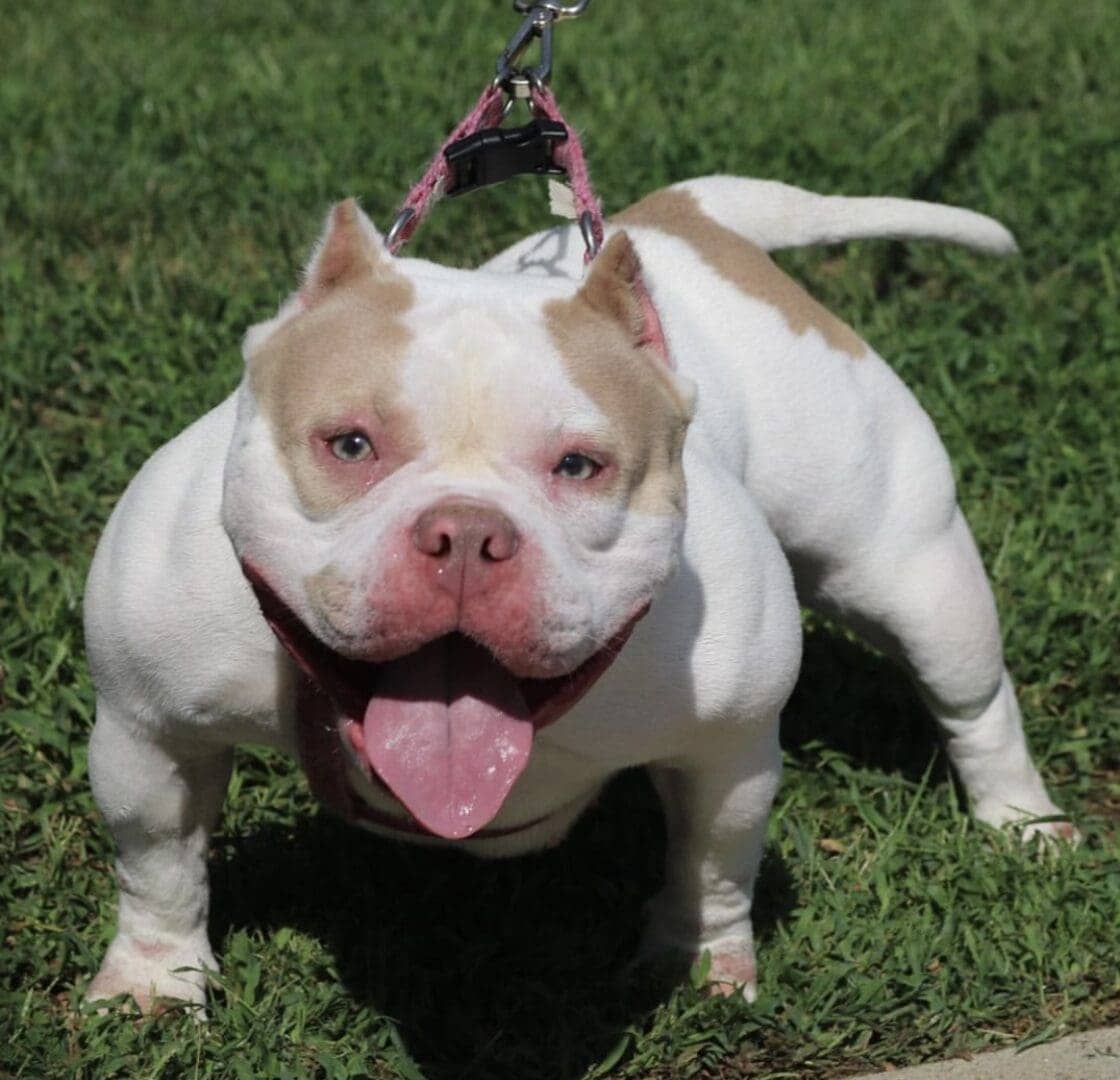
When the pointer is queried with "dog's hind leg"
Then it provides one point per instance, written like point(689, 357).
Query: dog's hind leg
point(917, 589)
point(160, 799)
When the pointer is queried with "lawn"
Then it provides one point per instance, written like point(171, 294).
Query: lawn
point(163, 170)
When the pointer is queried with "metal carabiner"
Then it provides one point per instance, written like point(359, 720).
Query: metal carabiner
point(540, 17)
point(393, 238)
point(536, 24)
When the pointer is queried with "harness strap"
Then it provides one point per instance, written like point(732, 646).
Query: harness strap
point(488, 112)
point(570, 156)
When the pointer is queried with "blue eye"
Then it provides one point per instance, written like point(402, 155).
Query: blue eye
point(351, 446)
point(577, 467)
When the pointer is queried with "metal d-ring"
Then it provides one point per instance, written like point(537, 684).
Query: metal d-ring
point(513, 99)
point(587, 231)
point(398, 226)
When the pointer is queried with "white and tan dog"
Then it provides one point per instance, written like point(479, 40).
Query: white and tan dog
point(459, 501)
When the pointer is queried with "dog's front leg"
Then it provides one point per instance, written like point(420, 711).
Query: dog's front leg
point(160, 796)
point(716, 808)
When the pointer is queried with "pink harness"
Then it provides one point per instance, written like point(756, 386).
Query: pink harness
point(565, 157)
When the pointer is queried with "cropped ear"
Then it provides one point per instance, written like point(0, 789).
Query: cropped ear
point(614, 287)
point(349, 247)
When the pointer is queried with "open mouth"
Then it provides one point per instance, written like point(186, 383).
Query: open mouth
point(447, 729)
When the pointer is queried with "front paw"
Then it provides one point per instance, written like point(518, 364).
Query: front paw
point(723, 959)
point(157, 975)
point(1027, 819)
point(731, 969)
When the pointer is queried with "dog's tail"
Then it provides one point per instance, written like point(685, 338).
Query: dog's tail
point(775, 216)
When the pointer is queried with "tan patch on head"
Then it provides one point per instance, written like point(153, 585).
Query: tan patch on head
point(678, 213)
point(339, 358)
point(596, 333)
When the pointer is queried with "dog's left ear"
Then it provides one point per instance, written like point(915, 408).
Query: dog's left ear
point(614, 287)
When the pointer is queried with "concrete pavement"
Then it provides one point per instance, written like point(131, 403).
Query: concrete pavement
point(1089, 1055)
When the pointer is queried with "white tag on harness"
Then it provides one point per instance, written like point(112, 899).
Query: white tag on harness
point(561, 200)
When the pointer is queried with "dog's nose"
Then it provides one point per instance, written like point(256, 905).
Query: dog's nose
point(464, 530)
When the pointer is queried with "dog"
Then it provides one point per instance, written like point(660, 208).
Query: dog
point(471, 542)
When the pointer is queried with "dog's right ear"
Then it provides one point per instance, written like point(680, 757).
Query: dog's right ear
point(349, 249)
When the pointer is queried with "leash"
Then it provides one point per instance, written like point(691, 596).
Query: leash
point(480, 152)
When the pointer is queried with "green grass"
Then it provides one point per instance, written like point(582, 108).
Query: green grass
point(163, 168)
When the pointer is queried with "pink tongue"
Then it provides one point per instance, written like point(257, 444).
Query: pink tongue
point(448, 732)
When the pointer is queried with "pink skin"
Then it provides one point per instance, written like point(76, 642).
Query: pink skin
point(444, 727)
point(561, 489)
point(151, 949)
point(424, 594)
point(653, 334)
point(730, 973)
point(355, 478)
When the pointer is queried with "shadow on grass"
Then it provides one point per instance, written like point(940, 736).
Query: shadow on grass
point(490, 968)
point(519, 968)
point(855, 701)
point(929, 185)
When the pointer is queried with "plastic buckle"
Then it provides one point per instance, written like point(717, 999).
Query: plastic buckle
point(496, 154)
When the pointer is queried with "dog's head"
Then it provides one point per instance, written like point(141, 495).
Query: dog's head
point(455, 493)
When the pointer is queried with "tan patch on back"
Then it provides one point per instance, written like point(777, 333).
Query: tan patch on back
point(594, 333)
point(678, 213)
point(340, 358)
